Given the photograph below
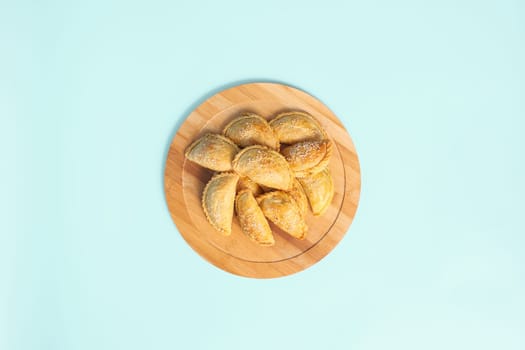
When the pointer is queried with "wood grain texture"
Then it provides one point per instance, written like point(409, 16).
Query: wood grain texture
point(184, 182)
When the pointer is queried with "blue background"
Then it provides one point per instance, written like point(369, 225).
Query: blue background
point(432, 92)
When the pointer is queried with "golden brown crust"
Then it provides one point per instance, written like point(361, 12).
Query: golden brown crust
point(319, 189)
point(218, 201)
point(252, 220)
point(245, 183)
point(281, 209)
point(264, 166)
point(293, 127)
point(308, 157)
point(212, 151)
point(251, 129)
point(299, 196)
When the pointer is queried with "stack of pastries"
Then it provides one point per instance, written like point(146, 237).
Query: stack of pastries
point(265, 171)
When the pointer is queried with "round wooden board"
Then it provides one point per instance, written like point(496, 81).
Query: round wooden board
point(184, 182)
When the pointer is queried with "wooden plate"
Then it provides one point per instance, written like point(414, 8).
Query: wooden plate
point(184, 182)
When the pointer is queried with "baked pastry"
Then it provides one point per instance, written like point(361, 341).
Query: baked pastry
point(308, 157)
point(213, 151)
point(293, 127)
point(319, 189)
point(251, 129)
point(248, 163)
point(281, 209)
point(299, 196)
point(252, 220)
point(218, 200)
point(245, 183)
point(264, 166)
